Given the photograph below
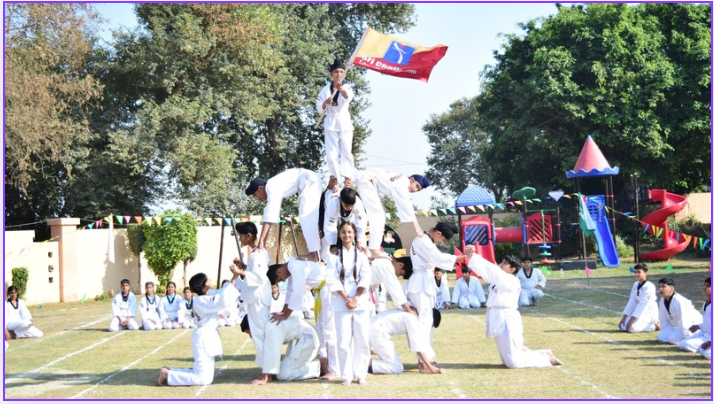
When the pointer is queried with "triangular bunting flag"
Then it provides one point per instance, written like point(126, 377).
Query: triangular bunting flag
point(659, 231)
point(677, 233)
point(462, 209)
point(669, 267)
point(127, 219)
point(480, 208)
point(519, 203)
point(228, 221)
point(169, 219)
point(565, 196)
point(452, 211)
point(218, 221)
point(388, 215)
point(108, 218)
point(706, 242)
point(396, 214)
point(537, 200)
point(99, 222)
point(701, 240)
point(510, 203)
point(471, 209)
point(90, 226)
point(443, 211)
point(120, 219)
point(157, 219)
point(296, 219)
point(556, 195)
point(647, 226)
point(199, 219)
point(177, 218)
point(695, 242)
point(588, 271)
point(500, 205)
point(41, 306)
point(149, 220)
point(632, 270)
point(434, 212)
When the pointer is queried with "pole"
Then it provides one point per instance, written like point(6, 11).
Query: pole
point(613, 224)
point(461, 239)
point(634, 186)
point(292, 230)
point(220, 254)
point(557, 232)
point(235, 233)
point(280, 236)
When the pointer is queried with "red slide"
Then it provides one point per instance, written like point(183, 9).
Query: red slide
point(671, 204)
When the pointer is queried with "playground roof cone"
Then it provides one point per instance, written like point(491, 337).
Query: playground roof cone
point(591, 162)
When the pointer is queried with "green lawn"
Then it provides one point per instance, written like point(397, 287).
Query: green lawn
point(77, 358)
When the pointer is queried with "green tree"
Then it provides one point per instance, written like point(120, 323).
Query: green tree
point(136, 237)
point(634, 77)
point(170, 243)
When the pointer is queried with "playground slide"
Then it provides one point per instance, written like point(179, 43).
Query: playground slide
point(476, 231)
point(603, 235)
point(671, 204)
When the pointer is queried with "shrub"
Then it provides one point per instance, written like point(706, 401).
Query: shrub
point(20, 275)
point(105, 296)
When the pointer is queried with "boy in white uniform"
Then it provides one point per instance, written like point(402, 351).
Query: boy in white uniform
point(398, 322)
point(468, 293)
point(149, 306)
point(18, 320)
point(338, 124)
point(443, 297)
point(641, 313)
point(503, 321)
point(344, 207)
point(277, 301)
point(676, 314)
point(169, 307)
point(702, 332)
point(186, 318)
point(124, 309)
point(532, 284)
point(229, 316)
point(293, 181)
point(254, 286)
point(385, 272)
point(372, 183)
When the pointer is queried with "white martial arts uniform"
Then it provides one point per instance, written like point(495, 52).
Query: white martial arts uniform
point(308, 304)
point(351, 325)
point(468, 295)
point(186, 317)
point(205, 340)
point(530, 295)
point(122, 309)
point(382, 328)
point(379, 296)
point(307, 185)
point(704, 334)
point(230, 315)
point(303, 345)
point(372, 183)
point(383, 274)
point(150, 319)
point(334, 215)
point(19, 320)
point(503, 321)
point(169, 311)
point(276, 304)
point(643, 306)
point(256, 293)
point(307, 273)
point(676, 320)
point(442, 292)
point(422, 287)
point(338, 132)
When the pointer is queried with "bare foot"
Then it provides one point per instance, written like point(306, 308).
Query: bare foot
point(553, 360)
point(657, 326)
point(362, 382)
point(163, 376)
point(327, 376)
point(348, 183)
point(346, 382)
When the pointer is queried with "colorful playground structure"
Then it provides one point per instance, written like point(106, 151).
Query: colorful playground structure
point(543, 226)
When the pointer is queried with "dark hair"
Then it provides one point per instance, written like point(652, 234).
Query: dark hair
point(348, 196)
point(513, 262)
point(244, 324)
point(13, 288)
point(272, 273)
point(247, 228)
point(224, 282)
point(526, 258)
point(171, 283)
point(408, 267)
point(186, 288)
point(339, 251)
point(148, 283)
point(708, 281)
point(642, 267)
point(437, 318)
point(447, 229)
point(667, 281)
point(197, 283)
point(438, 270)
point(123, 281)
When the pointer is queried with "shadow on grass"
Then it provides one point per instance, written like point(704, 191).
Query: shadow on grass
point(448, 366)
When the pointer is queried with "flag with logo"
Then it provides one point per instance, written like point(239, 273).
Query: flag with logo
point(586, 222)
point(389, 55)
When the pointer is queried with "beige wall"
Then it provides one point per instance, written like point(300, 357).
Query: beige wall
point(36, 258)
point(699, 205)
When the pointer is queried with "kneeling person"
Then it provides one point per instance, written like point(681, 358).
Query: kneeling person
point(676, 314)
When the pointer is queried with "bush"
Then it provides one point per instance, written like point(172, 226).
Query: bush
point(622, 248)
point(105, 296)
point(503, 249)
point(20, 275)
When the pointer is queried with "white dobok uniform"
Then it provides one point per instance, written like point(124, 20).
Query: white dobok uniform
point(276, 304)
point(256, 292)
point(150, 319)
point(334, 215)
point(676, 320)
point(19, 320)
point(351, 325)
point(306, 184)
point(338, 131)
point(230, 315)
point(530, 295)
point(170, 310)
point(704, 334)
point(503, 321)
point(468, 295)
point(383, 274)
point(372, 183)
point(186, 317)
point(643, 306)
point(205, 340)
point(308, 304)
point(442, 292)
point(382, 328)
point(303, 345)
point(122, 309)
point(422, 287)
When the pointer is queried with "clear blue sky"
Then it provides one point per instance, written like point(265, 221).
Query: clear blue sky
point(400, 107)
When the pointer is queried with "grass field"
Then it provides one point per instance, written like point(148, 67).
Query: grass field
point(78, 358)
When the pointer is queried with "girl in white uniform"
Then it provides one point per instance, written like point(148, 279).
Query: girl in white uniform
point(124, 309)
point(149, 307)
point(372, 183)
point(18, 320)
point(468, 293)
point(169, 307)
point(641, 313)
point(702, 332)
point(254, 286)
point(293, 181)
point(205, 340)
point(676, 314)
point(349, 280)
point(532, 284)
point(503, 321)
point(443, 297)
point(338, 124)
point(186, 318)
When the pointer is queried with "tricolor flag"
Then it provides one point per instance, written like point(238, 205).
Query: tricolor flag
point(389, 55)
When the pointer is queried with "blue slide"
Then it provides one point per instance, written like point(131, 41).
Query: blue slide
point(603, 236)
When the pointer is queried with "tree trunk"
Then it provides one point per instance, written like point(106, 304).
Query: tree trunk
point(185, 264)
point(139, 282)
